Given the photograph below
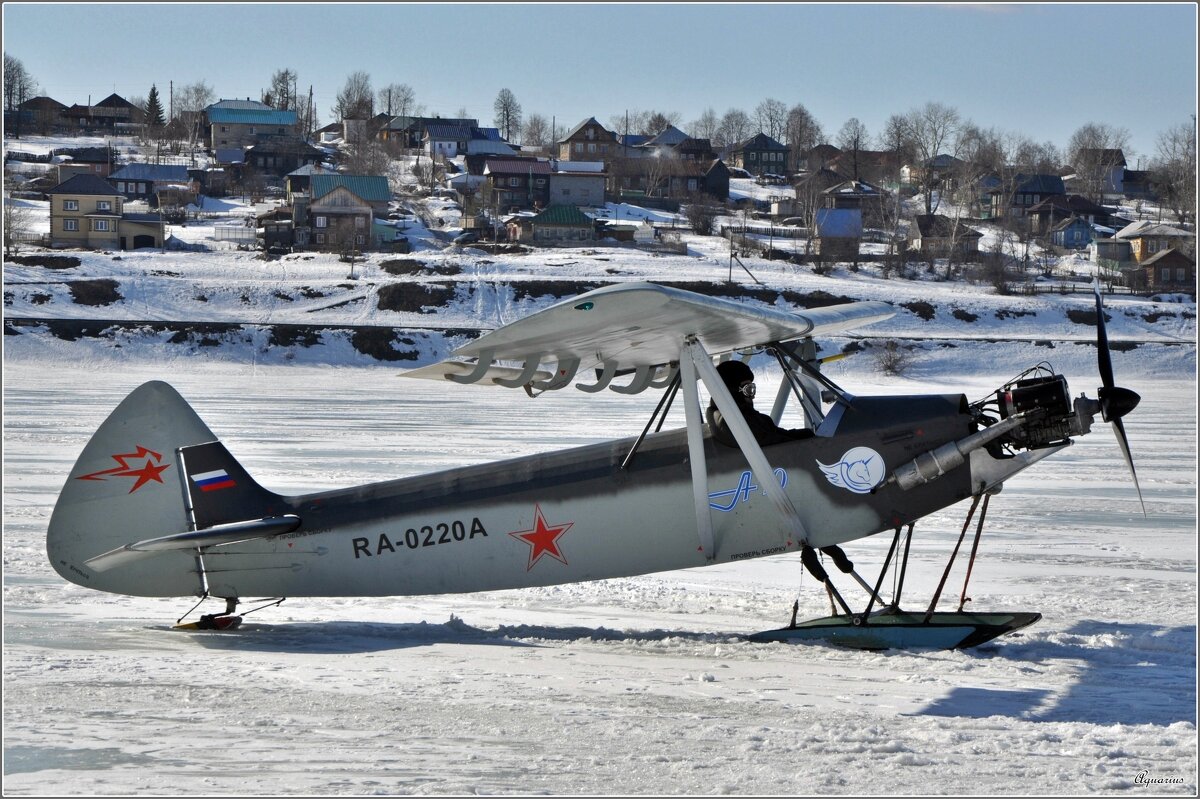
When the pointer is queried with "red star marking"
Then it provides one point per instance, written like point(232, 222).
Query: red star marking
point(543, 538)
point(151, 468)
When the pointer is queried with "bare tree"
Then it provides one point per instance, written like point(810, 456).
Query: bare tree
point(932, 128)
point(356, 99)
point(508, 114)
point(190, 102)
point(1174, 170)
point(19, 86)
point(284, 92)
point(366, 157)
point(802, 131)
point(536, 131)
point(658, 122)
point(706, 126)
point(1094, 152)
point(735, 126)
point(851, 139)
point(18, 220)
point(397, 99)
point(771, 117)
point(629, 122)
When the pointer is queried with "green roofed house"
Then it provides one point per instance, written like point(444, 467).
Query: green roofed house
point(562, 225)
point(338, 213)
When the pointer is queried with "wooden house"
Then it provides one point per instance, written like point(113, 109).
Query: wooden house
point(936, 236)
point(759, 155)
point(1166, 271)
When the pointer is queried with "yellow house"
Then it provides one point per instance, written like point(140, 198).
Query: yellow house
point(86, 212)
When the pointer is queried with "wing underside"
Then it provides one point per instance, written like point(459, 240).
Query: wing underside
point(632, 327)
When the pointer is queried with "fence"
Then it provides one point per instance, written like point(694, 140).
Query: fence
point(236, 233)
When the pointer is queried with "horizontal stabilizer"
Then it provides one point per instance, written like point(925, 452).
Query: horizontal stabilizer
point(213, 536)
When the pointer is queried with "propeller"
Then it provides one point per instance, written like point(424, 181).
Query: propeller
point(1115, 401)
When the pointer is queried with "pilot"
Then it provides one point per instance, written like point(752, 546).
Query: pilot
point(739, 379)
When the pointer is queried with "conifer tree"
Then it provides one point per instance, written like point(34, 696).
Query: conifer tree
point(154, 111)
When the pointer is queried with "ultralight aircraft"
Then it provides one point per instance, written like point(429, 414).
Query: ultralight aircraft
point(157, 506)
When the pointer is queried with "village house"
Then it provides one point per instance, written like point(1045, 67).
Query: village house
point(242, 123)
point(1166, 271)
point(937, 236)
point(1048, 213)
point(759, 155)
point(87, 212)
point(338, 213)
point(562, 225)
point(589, 141)
point(1147, 239)
point(577, 183)
point(113, 114)
point(144, 181)
point(513, 184)
point(1027, 191)
point(1075, 233)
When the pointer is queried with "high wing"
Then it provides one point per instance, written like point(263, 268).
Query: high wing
point(639, 327)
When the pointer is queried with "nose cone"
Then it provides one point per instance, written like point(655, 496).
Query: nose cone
point(1115, 402)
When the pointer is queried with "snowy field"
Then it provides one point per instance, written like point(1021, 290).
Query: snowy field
point(633, 686)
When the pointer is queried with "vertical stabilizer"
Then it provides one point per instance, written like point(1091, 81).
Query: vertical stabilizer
point(128, 486)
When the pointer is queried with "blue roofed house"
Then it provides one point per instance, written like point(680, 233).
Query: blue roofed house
point(1075, 233)
point(838, 232)
point(242, 123)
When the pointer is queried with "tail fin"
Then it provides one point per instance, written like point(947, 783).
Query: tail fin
point(131, 492)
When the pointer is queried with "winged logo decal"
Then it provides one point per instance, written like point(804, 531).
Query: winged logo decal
point(859, 470)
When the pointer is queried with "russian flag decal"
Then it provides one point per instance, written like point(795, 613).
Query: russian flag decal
point(213, 481)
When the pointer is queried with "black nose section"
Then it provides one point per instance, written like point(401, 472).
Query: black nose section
point(1115, 402)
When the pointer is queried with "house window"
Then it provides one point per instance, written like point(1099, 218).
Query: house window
point(322, 221)
point(70, 224)
point(359, 239)
point(514, 181)
point(224, 129)
point(1180, 274)
point(103, 205)
point(70, 205)
point(691, 184)
point(320, 238)
point(1164, 274)
point(591, 147)
point(141, 188)
point(579, 147)
point(100, 224)
point(121, 186)
point(1151, 245)
point(359, 223)
point(540, 181)
point(753, 156)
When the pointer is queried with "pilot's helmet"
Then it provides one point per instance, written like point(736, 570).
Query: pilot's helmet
point(734, 374)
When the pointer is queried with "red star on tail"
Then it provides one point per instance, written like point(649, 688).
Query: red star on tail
point(150, 469)
point(543, 538)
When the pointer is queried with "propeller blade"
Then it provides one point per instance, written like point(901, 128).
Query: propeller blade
point(1103, 357)
point(1119, 429)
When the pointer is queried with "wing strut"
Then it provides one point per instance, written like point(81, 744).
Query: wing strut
point(693, 353)
point(695, 437)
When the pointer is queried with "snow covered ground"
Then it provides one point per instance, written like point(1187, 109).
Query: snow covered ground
point(636, 686)
point(631, 686)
